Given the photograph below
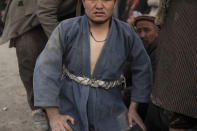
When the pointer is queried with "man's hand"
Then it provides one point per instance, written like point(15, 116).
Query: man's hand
point(57, 121)
point(134, 117)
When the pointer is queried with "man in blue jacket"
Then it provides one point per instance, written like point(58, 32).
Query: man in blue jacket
point(78, 80)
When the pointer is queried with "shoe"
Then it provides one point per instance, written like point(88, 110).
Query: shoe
point(40, 121)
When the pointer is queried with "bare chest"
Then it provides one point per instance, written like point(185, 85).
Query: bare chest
point(95, 51)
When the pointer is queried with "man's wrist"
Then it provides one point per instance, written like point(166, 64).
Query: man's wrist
point(52, 112)
point(134, 105)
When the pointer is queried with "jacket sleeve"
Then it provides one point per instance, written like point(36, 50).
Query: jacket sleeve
point(141, 70)
point(48, 71)
point(47, 14)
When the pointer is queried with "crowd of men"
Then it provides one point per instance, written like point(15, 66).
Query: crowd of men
point(86, 70)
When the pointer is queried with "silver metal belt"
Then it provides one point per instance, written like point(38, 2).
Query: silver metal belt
point(92, 82)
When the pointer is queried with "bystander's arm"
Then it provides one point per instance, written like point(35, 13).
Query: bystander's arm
point(47, 14)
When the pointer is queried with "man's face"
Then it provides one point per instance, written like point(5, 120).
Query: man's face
point(99, 11)
point(147, 31)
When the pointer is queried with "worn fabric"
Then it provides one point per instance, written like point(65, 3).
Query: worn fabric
point(19, 18)
point(151, 50)
point(175, 85)
point(69, 45)
point(28, 47)
point(22, 27)
point(23, 15)
point(51, 12)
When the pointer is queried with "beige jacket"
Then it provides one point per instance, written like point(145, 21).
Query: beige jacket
point(19, 17)
point(23, 15)
point(62, 8)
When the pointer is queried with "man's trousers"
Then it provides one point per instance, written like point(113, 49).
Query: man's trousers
point(28, 47)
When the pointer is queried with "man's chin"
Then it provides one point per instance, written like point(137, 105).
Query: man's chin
point(145, 43)
point(99, 21)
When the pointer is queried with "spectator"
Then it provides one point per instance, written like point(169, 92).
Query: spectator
point(23, 29)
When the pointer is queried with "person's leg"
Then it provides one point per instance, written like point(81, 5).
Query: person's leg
point(28, 48)
point(155, 119)
point(180, 122)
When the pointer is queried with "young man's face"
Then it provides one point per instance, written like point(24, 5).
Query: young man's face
point(99, 11)
point(147, 31)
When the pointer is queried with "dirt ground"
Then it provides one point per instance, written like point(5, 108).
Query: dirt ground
point(15, 113)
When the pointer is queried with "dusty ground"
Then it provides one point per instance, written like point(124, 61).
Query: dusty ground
point(17, 116)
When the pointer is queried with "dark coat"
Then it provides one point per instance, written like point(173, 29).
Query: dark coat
point(151, 50)
point(175, 87)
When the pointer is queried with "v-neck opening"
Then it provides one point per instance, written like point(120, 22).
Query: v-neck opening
point(100, 57)
point(101, 52)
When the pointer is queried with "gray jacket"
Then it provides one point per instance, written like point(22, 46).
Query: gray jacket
point(47, 9)
point(23, 15)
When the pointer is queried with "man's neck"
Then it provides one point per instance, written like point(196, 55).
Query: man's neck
point(99, 30)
